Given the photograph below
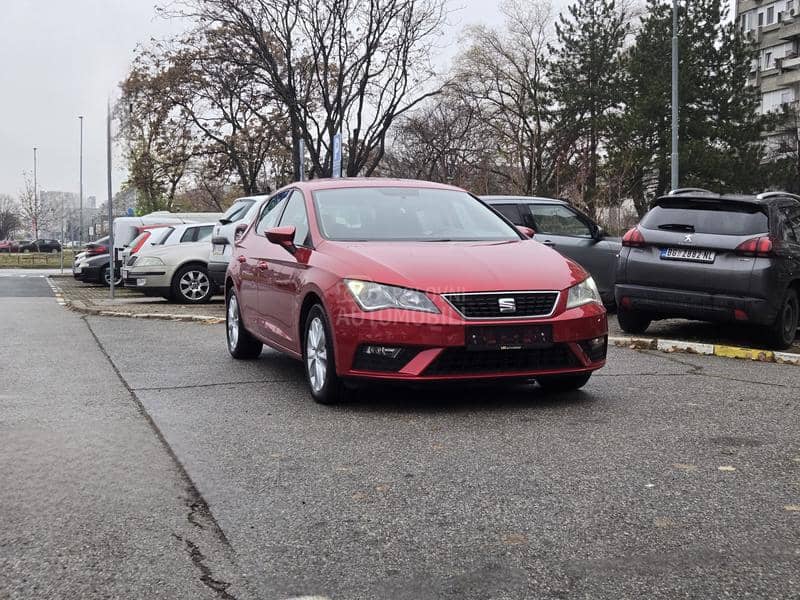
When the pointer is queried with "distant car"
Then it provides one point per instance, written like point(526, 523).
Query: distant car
point(566, 229)
point(222, 238)
point(8, 246)
point(710, 257)
point(40, 245)
point(177, 271)
point(80, 267)
point(407, 281)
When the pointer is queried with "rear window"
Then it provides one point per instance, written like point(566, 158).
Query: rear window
point(706, 217)
point(238, 210)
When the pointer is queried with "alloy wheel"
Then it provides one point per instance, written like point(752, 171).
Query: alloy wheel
point(194, 285)
point(233, 322)
point(316, 354)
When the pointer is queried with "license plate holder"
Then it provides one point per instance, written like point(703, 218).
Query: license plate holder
point(508, 337)
point(688, 255)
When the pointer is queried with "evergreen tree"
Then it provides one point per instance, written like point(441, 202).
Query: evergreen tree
point(585, 77)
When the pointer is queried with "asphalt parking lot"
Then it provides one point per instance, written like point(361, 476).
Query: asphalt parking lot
point(668, 476)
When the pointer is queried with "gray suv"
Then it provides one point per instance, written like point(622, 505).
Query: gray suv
point(710, 257)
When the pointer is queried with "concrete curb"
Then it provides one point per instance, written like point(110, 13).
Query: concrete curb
point(82, 307)
point(721, 350)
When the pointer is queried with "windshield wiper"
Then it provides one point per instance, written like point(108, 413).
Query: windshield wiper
point(677, 227)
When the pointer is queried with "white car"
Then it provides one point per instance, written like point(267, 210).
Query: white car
point(242, 211)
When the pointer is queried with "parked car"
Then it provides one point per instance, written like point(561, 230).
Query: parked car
point(380, 279)
point(40, 245)
point(711, 257)
point(92, 250)
point(568, 230)
point(178, 272)
point(222, 237)
point(150, 235)
point(8, 246)
point(188, 232)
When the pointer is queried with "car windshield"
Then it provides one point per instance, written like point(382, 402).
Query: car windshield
point(718, 218)
point(238, 210)
point(407, 214)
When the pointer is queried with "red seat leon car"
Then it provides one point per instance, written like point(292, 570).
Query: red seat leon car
point(382, 279)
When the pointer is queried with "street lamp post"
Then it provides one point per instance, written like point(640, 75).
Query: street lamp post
point(80, 193)
point(675, 155)
point(35, 200)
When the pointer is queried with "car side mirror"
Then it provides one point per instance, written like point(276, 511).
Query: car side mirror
point(239, 232)
point(526, 231)
point(598, 233)
point(284, 237)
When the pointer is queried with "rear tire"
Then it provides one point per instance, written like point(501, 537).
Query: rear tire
point(781, 333)
point(563, 383)
point(241, 344)
point(631, 321)
point(318, 359)
point(192, 285)
point(106, 280)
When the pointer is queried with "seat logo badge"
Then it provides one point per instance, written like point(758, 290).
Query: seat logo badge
point(687, 239)
point(507, 305)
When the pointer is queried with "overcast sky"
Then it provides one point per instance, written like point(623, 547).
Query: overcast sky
point(64, 58)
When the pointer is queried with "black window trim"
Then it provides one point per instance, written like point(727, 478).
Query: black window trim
point(309, 238)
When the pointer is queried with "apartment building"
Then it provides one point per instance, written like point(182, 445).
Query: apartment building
point(775, 28)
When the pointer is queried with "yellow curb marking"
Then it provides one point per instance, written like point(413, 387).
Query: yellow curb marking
point(726, 468)
point(745, 353)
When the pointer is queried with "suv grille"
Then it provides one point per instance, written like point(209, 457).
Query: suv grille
point(458, 361)
point(487, 306)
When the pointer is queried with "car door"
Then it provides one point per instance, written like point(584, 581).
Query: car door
point(255, 253)
point(575, 236)
point(279, 298)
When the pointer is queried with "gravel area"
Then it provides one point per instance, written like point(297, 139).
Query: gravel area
point(131, 303)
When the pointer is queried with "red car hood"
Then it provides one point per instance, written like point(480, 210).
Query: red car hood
point(456, 266)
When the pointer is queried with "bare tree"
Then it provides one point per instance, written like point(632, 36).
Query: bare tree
point(9, 216)
point(35, 213)
point(346, 65)
point(504, 72)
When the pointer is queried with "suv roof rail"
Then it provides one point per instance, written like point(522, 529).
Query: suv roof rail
point(679, 191)
point(777, 194)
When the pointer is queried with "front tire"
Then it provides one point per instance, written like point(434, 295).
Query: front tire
point(318, 358)
point(105, 278)
point(192, 285)
point(563, 383)
point(632, 321)
point(241, 344)
point(782, 333)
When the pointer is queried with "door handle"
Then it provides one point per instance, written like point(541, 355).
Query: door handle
point(263, 265)
point(241, 259)
point(549, 243)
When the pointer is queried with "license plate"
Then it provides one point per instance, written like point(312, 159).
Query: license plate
point(125, 273)
point(511, 337)
point(76, 270)
point(217, 249)
point(690, 254)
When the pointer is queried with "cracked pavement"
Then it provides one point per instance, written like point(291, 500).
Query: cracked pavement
point(668, 476)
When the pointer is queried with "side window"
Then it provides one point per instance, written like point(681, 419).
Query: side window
point(295, 214)
point(270, 213)
point(188, 235)
point(790, 223)
point(510, 212)
point(203, 233)
point(556, 219)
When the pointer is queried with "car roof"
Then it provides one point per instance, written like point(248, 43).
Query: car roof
point(762, 199)
point(521, 200)
point(313, 185)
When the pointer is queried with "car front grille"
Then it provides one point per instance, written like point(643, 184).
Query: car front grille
point(488, 305)
point(460, 361)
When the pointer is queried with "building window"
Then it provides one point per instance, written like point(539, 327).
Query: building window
point(770, 15)
point(768, 60)
point(760, 19)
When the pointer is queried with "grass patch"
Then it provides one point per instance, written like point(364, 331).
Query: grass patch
point(35, 260)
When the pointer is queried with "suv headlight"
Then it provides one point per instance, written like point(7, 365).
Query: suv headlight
point(583, 293)
point(375, 296)
point(149, 261)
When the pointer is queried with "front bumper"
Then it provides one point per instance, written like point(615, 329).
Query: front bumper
point(703, 306)
point(434, 346)
point(147, 279)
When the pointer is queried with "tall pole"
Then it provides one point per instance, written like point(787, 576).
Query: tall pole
point(675, 154)
point(112, 262)
point(35, 200)
point(80, 192)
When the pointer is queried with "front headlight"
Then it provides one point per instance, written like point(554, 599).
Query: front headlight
point(583, 293)
point(149, 261)
point(375, 296)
